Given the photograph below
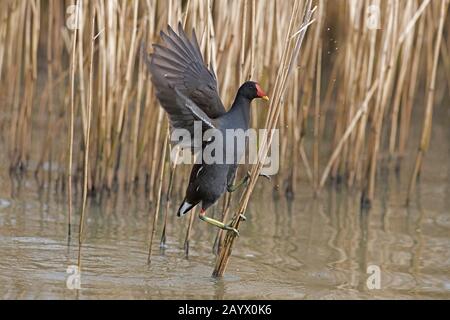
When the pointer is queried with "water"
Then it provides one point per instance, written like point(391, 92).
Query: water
point(305, 249)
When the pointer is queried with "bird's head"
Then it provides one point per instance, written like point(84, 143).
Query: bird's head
point(252, 90)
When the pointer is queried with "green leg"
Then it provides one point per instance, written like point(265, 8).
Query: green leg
point(217, 223)
point(238, 185)
point(244, 181)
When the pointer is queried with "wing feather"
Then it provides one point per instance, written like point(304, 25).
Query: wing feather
point(185, 87)
point(178, 65)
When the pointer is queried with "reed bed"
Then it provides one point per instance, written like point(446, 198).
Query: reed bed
point(87, 110)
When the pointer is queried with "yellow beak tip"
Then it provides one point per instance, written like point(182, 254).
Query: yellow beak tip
point(266, 98)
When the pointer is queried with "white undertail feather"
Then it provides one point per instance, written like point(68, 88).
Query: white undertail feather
point(185, 208)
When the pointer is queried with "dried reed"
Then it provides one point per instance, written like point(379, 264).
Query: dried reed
point(351, 96)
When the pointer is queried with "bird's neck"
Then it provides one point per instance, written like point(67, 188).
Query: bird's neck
point(241, 106)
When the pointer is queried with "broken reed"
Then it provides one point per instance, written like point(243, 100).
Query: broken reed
point(293, 43)
point(331, 109)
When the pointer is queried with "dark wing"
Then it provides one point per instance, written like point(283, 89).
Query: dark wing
point(185, 87)
point(187, 111)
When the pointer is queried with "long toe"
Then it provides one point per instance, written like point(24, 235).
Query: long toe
point(234, 230)
point(242, 217)
point(261, 175)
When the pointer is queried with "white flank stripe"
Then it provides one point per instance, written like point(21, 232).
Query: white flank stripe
point(198, 172)
point(209, 124)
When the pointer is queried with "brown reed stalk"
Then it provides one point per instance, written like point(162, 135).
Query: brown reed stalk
point(192, 214)
point(244, 33)
point(72, 116)
point(134, 137)
point(168, 195)
point(411, 90)
point(87, 139)
point(362, 111)
point(158, 202)
point(428, 119)
point(317, 101)
point(384, 76)
point(290, 56)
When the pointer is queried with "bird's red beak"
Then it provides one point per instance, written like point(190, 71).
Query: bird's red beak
point(260, 93)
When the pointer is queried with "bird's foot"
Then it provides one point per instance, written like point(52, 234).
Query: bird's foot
point(221, 225)
point(261, 175)
point(229, 227)
point(244, 182)
point(241, 217)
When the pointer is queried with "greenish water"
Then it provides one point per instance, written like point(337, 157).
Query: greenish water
point(305, 249)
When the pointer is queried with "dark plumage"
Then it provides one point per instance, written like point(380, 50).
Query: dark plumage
point(187, 90)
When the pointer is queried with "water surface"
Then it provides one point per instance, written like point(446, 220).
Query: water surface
point(305, 249)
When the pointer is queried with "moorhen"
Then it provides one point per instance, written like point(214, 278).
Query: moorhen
point(187, 90)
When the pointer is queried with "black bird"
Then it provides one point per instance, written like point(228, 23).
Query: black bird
point(187, 90)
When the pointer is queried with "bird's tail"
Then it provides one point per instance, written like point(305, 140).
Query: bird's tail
point(185, 208)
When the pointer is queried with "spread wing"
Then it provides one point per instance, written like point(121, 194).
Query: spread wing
point(185, 87)
point(188, 111)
